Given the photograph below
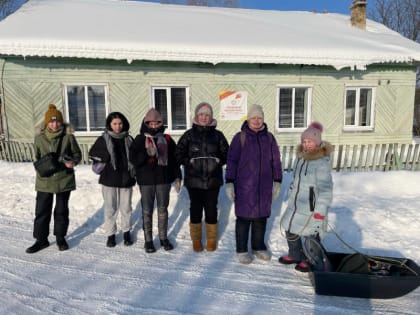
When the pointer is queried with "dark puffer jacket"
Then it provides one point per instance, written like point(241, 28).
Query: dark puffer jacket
point(253, 168)
point(202, 150)
point(148, 172)
point(64, 180)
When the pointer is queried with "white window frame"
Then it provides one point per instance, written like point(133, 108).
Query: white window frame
point(356, 126)
point(168, 88)
point(309, 109)
point(66, 106)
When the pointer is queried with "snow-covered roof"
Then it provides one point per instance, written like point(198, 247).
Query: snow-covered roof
point(129, 30)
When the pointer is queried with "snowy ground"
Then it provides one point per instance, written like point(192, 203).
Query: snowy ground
point(377, 212)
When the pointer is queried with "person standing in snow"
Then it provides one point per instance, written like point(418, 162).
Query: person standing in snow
point(310, 195)
point(253, 180)
point(202, 150)
point(117, 177)
point(153, 155)
point(55, 136)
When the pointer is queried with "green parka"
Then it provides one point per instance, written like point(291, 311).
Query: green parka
point(64, 180)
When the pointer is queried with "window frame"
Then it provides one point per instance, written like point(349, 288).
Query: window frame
point(357, 88)
point(168, 88)
point(87, 133)
point(309, 88)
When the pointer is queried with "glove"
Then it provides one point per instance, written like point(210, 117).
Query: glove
point(151, 151)
point(177, 185)
point(318, 216)
point(191, 161)
point(276, 190)
point(230, 191)
point(217, 160)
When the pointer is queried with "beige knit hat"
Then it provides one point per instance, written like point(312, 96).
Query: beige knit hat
point(255, 111)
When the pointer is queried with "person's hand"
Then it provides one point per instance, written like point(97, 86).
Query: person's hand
point(276, 190)
point(230, 191)
point(151, 151)
point(69, 164)
point(177, 185)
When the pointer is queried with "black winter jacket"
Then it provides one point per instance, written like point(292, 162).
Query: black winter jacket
point(197, 151)
point(148, 172)
point(109, 177)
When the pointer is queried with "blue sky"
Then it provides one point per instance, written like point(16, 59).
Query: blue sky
point(332, 6)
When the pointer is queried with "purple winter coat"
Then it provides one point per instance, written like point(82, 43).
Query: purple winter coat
point(253, 168)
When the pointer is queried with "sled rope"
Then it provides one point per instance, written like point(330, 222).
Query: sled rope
point(375, 259)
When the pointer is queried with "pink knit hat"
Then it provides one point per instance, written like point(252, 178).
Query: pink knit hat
point(153, 115)
point(313, 132)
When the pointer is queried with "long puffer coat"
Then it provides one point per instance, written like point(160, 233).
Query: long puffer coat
point(63, 180)
point(310, 192)
point(253, 168)
point(197, 151)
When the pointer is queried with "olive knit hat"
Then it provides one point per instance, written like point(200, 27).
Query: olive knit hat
point(53, 114)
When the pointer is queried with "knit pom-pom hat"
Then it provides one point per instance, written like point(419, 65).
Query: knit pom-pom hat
point(53, 114)
point(313, 132)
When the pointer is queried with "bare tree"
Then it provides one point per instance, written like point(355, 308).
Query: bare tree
point(402, 16)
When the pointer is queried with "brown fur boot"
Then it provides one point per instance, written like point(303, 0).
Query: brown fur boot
point(195, 233)
point(211, 235)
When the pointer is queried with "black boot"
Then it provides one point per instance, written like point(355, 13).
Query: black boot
point(38, 245)
point(111, 241)
point(166, 244)
point(61, 243)
point(149, 247)
point(127, 239)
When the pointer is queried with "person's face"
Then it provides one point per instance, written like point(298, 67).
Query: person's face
point(54, 125)
point(308, 145)
point(153, 124)
point(116, 125)
point(255, 123)
point(203, 119)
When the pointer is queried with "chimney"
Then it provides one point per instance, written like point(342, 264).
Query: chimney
point(358, 13)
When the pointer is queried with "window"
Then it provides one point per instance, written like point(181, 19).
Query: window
point(86, 107)
point(294, 104)
point(359, 105)
point(172, 103)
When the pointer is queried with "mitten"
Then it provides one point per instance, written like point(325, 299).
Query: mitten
point(177, 185)
point(151, 151)
point(276, 190)
point(322, 224)
point(230, 191)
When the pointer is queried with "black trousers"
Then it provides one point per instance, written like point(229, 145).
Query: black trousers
point(43, 211)
point(203, 199)
point(257, 227)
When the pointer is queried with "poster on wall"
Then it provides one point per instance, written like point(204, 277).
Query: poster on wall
point(233, 105)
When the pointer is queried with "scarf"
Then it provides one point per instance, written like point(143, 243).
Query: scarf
point(161, 146)
point(110, 147)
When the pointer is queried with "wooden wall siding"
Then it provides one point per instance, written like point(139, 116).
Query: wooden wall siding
point(132, 99)
point(348, 158)
point(34, 82)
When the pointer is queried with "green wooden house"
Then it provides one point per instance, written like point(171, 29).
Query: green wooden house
point(91, 57)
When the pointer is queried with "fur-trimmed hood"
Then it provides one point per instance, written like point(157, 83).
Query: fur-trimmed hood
point(324, 149)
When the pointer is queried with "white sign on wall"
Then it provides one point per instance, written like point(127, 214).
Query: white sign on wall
point(233, 105)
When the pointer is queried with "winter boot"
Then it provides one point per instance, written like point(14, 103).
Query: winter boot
point(61, 243)
point(110, 242)
point(37, 246)
point(211, 236)
point(127, 239)
point(166, 244)
point(244, 258)
point(195, 233)
point(149, 247)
